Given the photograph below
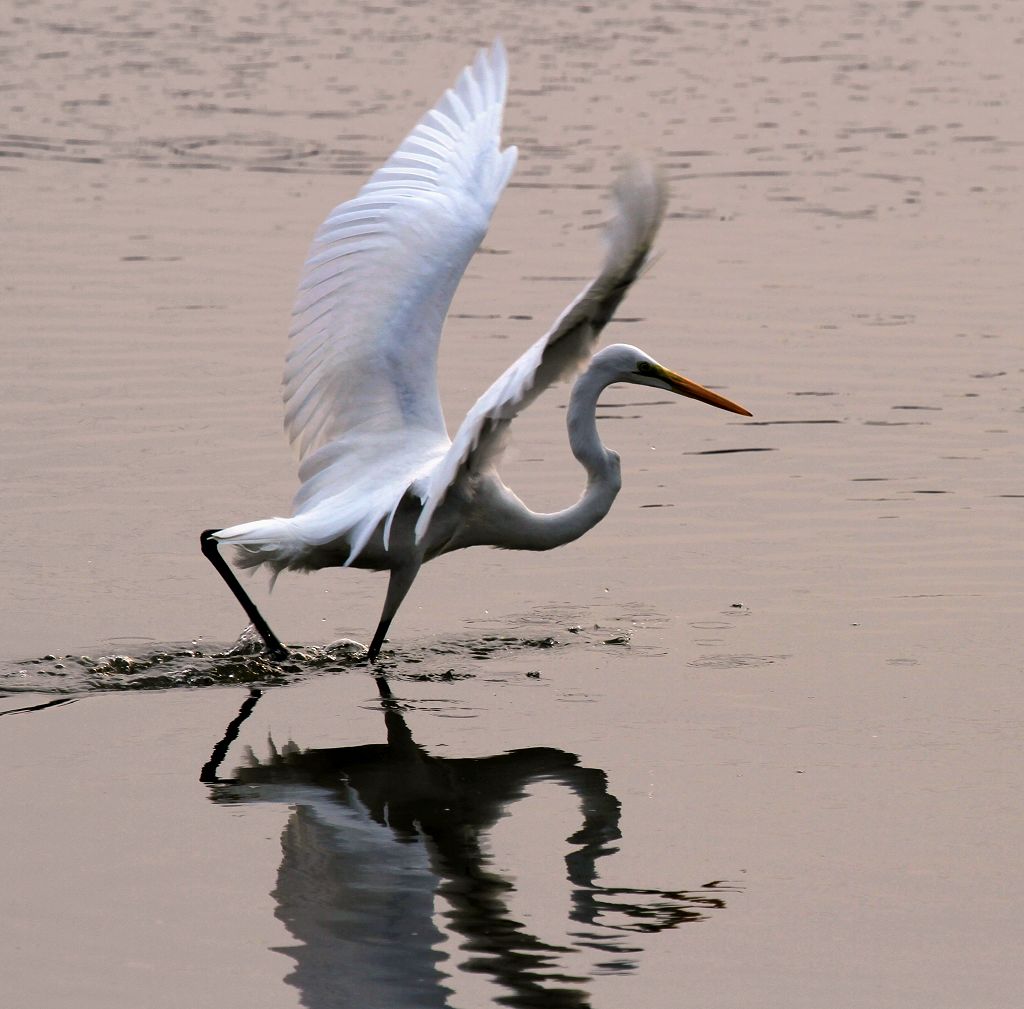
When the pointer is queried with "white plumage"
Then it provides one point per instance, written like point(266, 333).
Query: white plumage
point(381, 484)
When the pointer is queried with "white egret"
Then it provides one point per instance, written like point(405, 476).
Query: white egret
point(381, 484)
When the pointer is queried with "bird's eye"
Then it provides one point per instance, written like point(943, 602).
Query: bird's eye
point(644, 368)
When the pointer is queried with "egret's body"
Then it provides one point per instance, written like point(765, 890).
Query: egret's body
point(382, 486)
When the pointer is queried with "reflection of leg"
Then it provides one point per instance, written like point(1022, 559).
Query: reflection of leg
point(209, 772)
point(210, 551)
point(39, 707)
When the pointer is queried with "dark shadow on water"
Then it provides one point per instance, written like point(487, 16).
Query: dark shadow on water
point(385, 862)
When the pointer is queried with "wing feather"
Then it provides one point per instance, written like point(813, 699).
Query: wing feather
point(380, 276)
point(640, 198)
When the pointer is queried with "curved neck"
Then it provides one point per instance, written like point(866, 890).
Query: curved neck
point(528, 530)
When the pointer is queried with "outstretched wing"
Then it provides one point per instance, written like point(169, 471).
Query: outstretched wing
point(640, 198)
point(361, 371)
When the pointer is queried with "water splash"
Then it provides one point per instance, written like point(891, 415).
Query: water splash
point(193, 664)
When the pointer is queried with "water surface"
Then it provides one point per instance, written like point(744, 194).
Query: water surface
point(772, 703)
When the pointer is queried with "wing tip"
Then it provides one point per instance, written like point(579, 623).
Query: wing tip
point(483, 83)
point(640, 188)
point(499, 64)
point(641, 197)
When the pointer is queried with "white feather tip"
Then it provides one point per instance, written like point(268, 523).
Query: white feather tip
point(641, 196)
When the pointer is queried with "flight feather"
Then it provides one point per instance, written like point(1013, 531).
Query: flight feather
point(382, 271)
point(640, 198)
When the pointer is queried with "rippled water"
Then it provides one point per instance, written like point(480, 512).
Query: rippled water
point(195, 664)
point(786, 666)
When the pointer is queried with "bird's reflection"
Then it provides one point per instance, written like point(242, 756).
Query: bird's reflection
point(385, 867)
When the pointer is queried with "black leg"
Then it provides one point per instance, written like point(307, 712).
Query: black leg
point(378, 640)
point(383, 687)
point(398, 585)
point(210, 550)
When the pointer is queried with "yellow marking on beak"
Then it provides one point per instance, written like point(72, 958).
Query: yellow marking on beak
point(692, 390)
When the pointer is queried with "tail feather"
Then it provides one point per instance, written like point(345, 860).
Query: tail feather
point(274, 542)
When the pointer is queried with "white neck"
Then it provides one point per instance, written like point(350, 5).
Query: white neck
point(528, 530)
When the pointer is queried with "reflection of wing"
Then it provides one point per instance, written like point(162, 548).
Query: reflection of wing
point(640, 199)
point(336, 865)
point(382, 271)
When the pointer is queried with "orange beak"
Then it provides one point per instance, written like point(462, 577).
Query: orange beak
point(692, 390)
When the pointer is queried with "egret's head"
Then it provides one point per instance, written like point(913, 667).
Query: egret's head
point(633, 365)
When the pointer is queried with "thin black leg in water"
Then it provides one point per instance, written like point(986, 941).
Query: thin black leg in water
point(277, 651)
point(398, 585)
point(383, 687)
point(378, 640)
